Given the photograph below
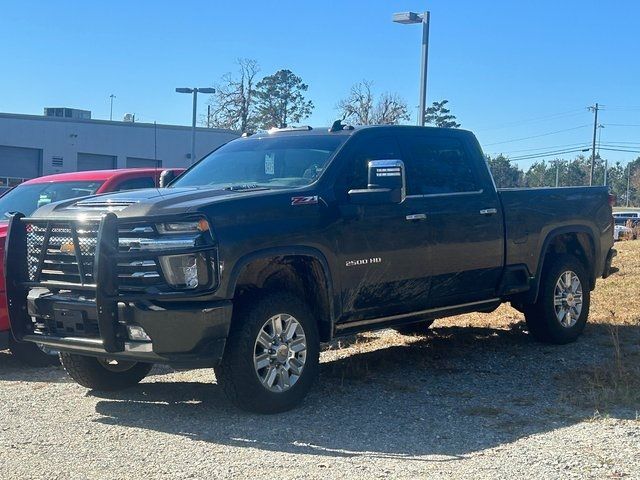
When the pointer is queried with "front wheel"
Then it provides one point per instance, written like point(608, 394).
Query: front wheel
point(560, 313)
point(272, 354)
point(102, 373)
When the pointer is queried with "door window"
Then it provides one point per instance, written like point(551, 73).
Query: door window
point(437, 166)
point(355, 175)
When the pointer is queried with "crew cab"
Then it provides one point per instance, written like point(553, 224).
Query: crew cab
point(279, 241)
point(32, 194)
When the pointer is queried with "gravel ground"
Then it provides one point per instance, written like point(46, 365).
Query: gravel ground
point(462, 402)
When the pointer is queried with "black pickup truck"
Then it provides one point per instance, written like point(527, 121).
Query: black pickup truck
point(277, 242)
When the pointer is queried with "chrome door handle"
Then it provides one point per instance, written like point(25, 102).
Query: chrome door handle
point(416, 216)
point(488, 211)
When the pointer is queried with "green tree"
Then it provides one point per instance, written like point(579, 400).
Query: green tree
point(505, 174)
point(281, 100)
point(439, 115)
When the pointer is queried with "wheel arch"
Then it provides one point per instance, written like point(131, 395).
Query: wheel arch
point(300, 269)
point(578, 240)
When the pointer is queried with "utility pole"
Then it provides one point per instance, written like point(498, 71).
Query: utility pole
point(111, 97)
point(557, 173)
point(594, 109)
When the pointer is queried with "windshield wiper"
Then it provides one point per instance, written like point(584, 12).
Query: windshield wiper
point(245, 186)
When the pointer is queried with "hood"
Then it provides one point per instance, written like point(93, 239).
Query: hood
point(146, 202)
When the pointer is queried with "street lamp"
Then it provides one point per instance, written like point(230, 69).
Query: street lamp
point(194, 91)
point(408, 18)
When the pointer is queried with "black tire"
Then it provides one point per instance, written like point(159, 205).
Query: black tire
point(91, 373)
point(32, 355)
point(237, 375)
point(414, 329)
point(541, 318)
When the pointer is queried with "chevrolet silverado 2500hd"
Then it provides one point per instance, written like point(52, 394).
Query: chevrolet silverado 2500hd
point(277, 242)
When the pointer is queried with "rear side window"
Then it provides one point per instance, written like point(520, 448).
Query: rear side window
point(437, 166)
point(135, 183)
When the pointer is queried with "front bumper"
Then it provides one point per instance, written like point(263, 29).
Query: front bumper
point(180, 336)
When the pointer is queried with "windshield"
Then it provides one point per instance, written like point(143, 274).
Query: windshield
point(27, 198)
point(277, 162)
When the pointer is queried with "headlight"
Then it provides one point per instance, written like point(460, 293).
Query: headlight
point(184, 227)
point(185, 271)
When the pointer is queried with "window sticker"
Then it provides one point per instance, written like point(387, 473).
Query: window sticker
point(270, 163)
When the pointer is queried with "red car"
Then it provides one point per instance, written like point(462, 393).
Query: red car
point(30, 195)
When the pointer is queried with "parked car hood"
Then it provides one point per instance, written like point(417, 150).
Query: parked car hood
point(146, 202)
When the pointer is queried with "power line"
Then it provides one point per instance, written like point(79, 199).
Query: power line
point(551, 147)
point(546, 154)
point(538, 136)
point(569, 113)
point(623, 124)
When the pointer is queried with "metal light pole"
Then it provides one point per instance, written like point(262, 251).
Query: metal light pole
point(112, 96)
point(407, 18)
point(194, 91)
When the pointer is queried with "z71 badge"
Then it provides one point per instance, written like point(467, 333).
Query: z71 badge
point(311, 200)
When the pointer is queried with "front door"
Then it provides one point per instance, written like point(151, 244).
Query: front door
point(383, 249)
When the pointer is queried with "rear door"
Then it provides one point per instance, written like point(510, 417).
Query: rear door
point(448, 183)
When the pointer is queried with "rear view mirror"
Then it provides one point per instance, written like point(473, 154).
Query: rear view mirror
point(386, 184)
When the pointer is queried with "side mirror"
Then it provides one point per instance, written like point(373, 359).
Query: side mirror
point(386, 184)
point(166, 177)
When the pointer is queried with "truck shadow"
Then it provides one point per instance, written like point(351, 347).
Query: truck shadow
point(462, 390)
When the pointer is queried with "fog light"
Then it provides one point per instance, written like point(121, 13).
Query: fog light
point(137, 333)
point(184, 271)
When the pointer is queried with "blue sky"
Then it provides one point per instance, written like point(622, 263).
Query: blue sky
point(510, 69)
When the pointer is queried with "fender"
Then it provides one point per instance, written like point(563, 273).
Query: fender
point(545, 246)
point(294, 250)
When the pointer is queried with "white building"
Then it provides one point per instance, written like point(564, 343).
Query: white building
point(33, 145)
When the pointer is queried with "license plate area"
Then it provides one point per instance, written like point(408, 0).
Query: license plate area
point(68, 322)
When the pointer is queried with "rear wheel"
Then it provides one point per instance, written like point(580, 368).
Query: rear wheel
point(102, 373)
point(414, 329)
point(272, 354)
point(32, 354)
point(560, 314)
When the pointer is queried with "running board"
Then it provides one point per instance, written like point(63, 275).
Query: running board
point(393, 319)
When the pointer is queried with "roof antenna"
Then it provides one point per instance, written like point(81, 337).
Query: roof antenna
point(338, 126)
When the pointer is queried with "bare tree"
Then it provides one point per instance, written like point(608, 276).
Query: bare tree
point(361, 107)
point(232, 106)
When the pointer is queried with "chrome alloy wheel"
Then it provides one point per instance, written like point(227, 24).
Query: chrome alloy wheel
point(280, 353)
point(567, 299)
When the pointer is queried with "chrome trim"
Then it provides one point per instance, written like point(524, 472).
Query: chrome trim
point(155, 244)
point(390, 163)
point(475, 192)
point(138, 347)
point(488, 211)
point(416, 216)
point(390, 318)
